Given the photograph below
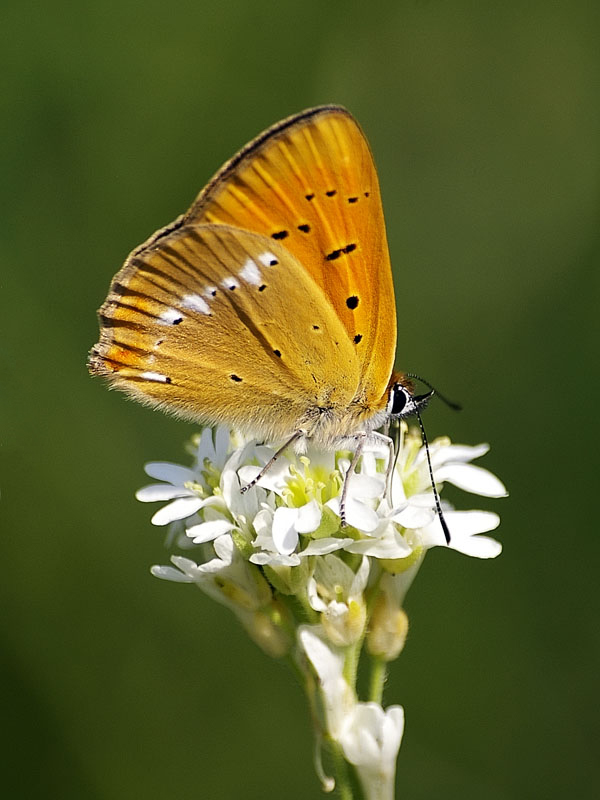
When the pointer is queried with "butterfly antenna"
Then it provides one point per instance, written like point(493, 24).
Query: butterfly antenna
point(450, 403)
point(435, 492)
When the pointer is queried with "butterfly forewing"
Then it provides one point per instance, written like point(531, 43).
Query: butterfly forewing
point(310, 184)
point(220, 324)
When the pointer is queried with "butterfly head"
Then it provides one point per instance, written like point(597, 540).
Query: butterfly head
point(402, 402)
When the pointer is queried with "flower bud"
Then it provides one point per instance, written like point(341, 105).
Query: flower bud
point(264, 630)
point(388, 629)
point(344, 624)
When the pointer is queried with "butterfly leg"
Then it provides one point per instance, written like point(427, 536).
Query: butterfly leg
point(272, 460)
point(389, 442)
point(361, 438)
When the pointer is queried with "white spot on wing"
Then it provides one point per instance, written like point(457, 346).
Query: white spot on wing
point(154, 376)
point(228, 283)
point(250, 273)
point(196, 303)
point(266, 258)
point(169, 317)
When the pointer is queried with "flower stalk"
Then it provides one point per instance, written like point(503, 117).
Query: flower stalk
point(311, 591)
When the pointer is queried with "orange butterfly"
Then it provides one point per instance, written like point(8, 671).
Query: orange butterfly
point(269, 305)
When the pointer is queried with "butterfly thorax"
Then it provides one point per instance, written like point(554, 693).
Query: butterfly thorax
point(328, 425)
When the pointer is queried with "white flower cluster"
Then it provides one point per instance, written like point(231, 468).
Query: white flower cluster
point(283, 539)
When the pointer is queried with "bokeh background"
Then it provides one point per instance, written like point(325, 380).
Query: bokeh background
point(484, 119)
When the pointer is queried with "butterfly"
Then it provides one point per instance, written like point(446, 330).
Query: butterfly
point(269, 305)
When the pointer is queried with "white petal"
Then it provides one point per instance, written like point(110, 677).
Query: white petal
point(423, 500)
point(239, 503)
point(206, 531)
point(224, 548)
point(275, 559)
point(334, 575)
point(285, 535)
point(378, 448)
point(248, 473)
point(186, 565)
point(361, 516)
point(170, 574)
point(458, 452)
point(477, 546)
point(309, 517)
point(314, 598)
point(161, 491)
point(371, 737)
point(365, 486)
point(171, 473)
point(360, 579)
point(468, 523)
point(328, 663)
point(368, 464)
point(464, 528)
point(274, 479)
point(222, 439)
point(471, 479)
point(178, 509)
point(358, 514)
point(393, 730)
point(321, 460)
point(230, 486)
point(414, 517)
point(206, 447)
point(389, 546)
point(321, 547)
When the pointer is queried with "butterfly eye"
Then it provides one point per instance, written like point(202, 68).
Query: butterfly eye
point(399, 397)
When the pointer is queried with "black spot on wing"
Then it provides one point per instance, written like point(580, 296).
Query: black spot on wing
point(309, 196)
point(352, 301)
point(357, 338)
point(262, 287)
point(331, 193)
point(353, 199)
point(277, 353)
point(304, 228)
point(335, 254)
point(236, 378)
point(280, 235)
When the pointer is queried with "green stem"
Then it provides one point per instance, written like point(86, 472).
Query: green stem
point(341, 773)
point(377, 679)
point(351, 660)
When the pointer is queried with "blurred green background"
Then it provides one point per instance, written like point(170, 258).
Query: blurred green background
point(484, 119)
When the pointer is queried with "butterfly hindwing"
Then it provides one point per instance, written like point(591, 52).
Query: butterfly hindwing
point(218, 324)
point(310, 184)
